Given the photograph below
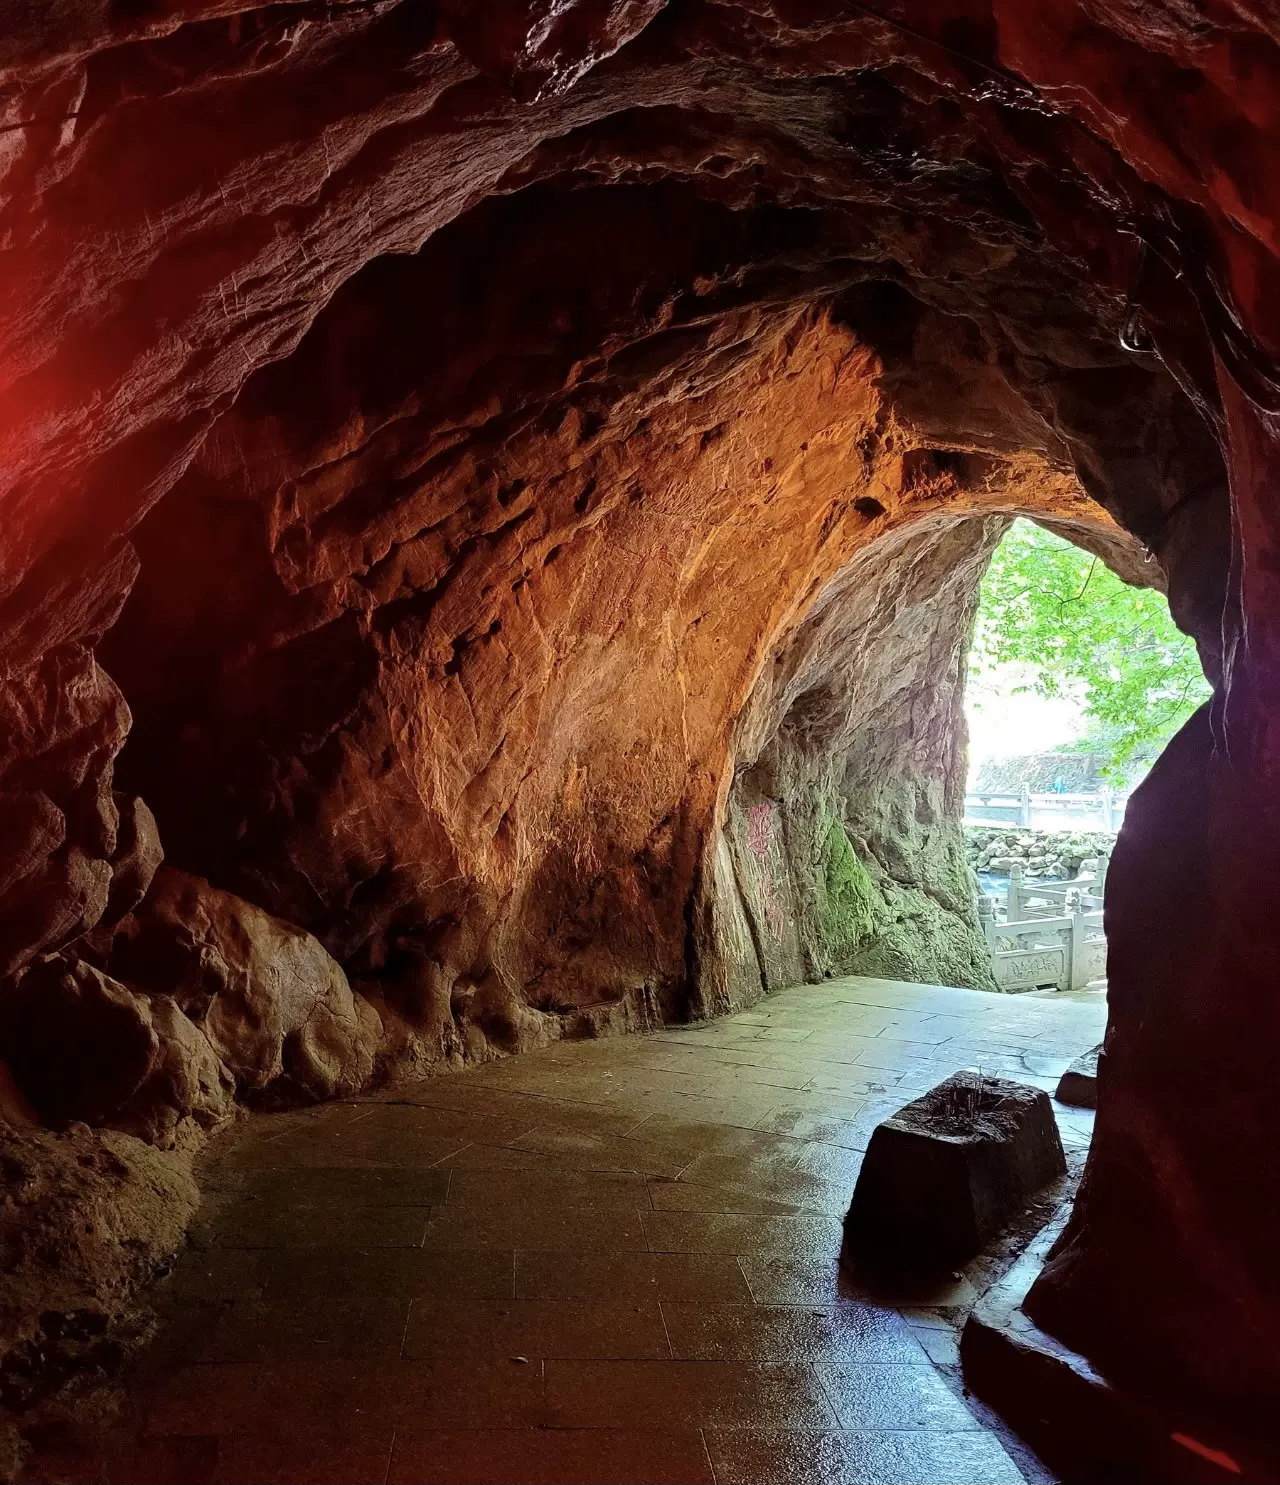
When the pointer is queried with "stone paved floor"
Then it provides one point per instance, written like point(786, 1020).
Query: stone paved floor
point(604, 1262)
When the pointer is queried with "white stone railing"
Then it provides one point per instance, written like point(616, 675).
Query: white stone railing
point(1049, 933)
point(1101, 811)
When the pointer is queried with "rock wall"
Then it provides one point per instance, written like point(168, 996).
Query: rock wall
point(493, 453)
point(844, 814)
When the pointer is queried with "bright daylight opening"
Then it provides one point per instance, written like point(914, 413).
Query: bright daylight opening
point(1076, 681)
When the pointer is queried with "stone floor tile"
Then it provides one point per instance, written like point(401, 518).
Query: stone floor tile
point(858, 1082)
point(695, 1136)
point(838, 1165)
point(471, 1393)
point(193, 1459)
point(790, 1279)
point(825, 1127)
point(215, 1275)
point(757, 1171)
point(779, 1178)
point(697, 1140)
point(782, 1033)
point(537, 1329)
point(597, 1190)
point(385, 1273)
point(342, 1456)
point(889, 1056)
point(940, 1346)
point(754, 1076)
point(543, 1225)
point(847, 1047)
point(846, 1334)
point(205, 1400)
point(532, 1110)
point(580, 1151)
point(552, 1456)
point(682, 1394)
point(733, 1232)
point(877, 1397)
point(815, 1103)
point(741, 1110)
point(498, 1158)
point(294, 1399)
point(376, 1147)
point(591, 1276)
point(260, 1225)
point(748, 1457)
point(320, 1186)
point(319, 1326)
point(732, 1147)
point(688, 1196)
point(414, 1121)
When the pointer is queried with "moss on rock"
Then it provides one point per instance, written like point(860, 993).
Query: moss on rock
point(847, 906)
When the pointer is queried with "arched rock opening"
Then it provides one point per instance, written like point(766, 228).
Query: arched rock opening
point(470, 491)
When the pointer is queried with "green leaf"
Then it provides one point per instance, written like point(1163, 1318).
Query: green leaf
point(1061, 612)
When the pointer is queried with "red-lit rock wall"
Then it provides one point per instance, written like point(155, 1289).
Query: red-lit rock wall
point(492, 452)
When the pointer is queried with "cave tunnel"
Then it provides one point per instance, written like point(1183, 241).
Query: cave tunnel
point(494, 499)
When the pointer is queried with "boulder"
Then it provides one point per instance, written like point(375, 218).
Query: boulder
point(32, 827)
point(275, 1006)
point(82, 1046)
point(1079, 1084)
point(945, 1173)
point(62, 721)
point(51, 907)
point(138, 853)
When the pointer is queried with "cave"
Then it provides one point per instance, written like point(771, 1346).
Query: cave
point(494, 499)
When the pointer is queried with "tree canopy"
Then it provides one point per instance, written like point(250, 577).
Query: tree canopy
point(1079, 630)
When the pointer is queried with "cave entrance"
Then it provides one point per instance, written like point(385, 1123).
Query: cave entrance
point(1076, 680)
point(864, 835)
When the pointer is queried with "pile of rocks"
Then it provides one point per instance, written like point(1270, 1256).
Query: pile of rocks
point(1041, 853)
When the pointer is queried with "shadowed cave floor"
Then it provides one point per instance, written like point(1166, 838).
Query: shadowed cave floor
point(604, 1262)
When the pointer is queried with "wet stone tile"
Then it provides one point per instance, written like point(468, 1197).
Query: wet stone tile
point(319, 1326)
point(880, 1397)
point(680, 1394)
point(631, 1276)
point(847, 1334)
point(690, 1196)
point(594, 1190)
point(550, 1456)
point(628, 1267)
point(261, 1225)
point(544, 1226)
point(537, 1329)
point(345, 1186)
point(385, 1273)
point(739, 1233)
point(774, 1457)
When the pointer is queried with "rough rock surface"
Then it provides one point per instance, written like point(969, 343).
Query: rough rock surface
point(1079, 1084)
point(521, 438)
point(948, 1171)
point(85, 1218)
point(84, 1047)
point(1062, 854)
point(273, 1007)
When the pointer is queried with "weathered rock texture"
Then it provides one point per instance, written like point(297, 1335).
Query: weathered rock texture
point(84, 1219)
point(531, 464)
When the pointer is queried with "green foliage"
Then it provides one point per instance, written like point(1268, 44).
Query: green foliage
point(1079, 629)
